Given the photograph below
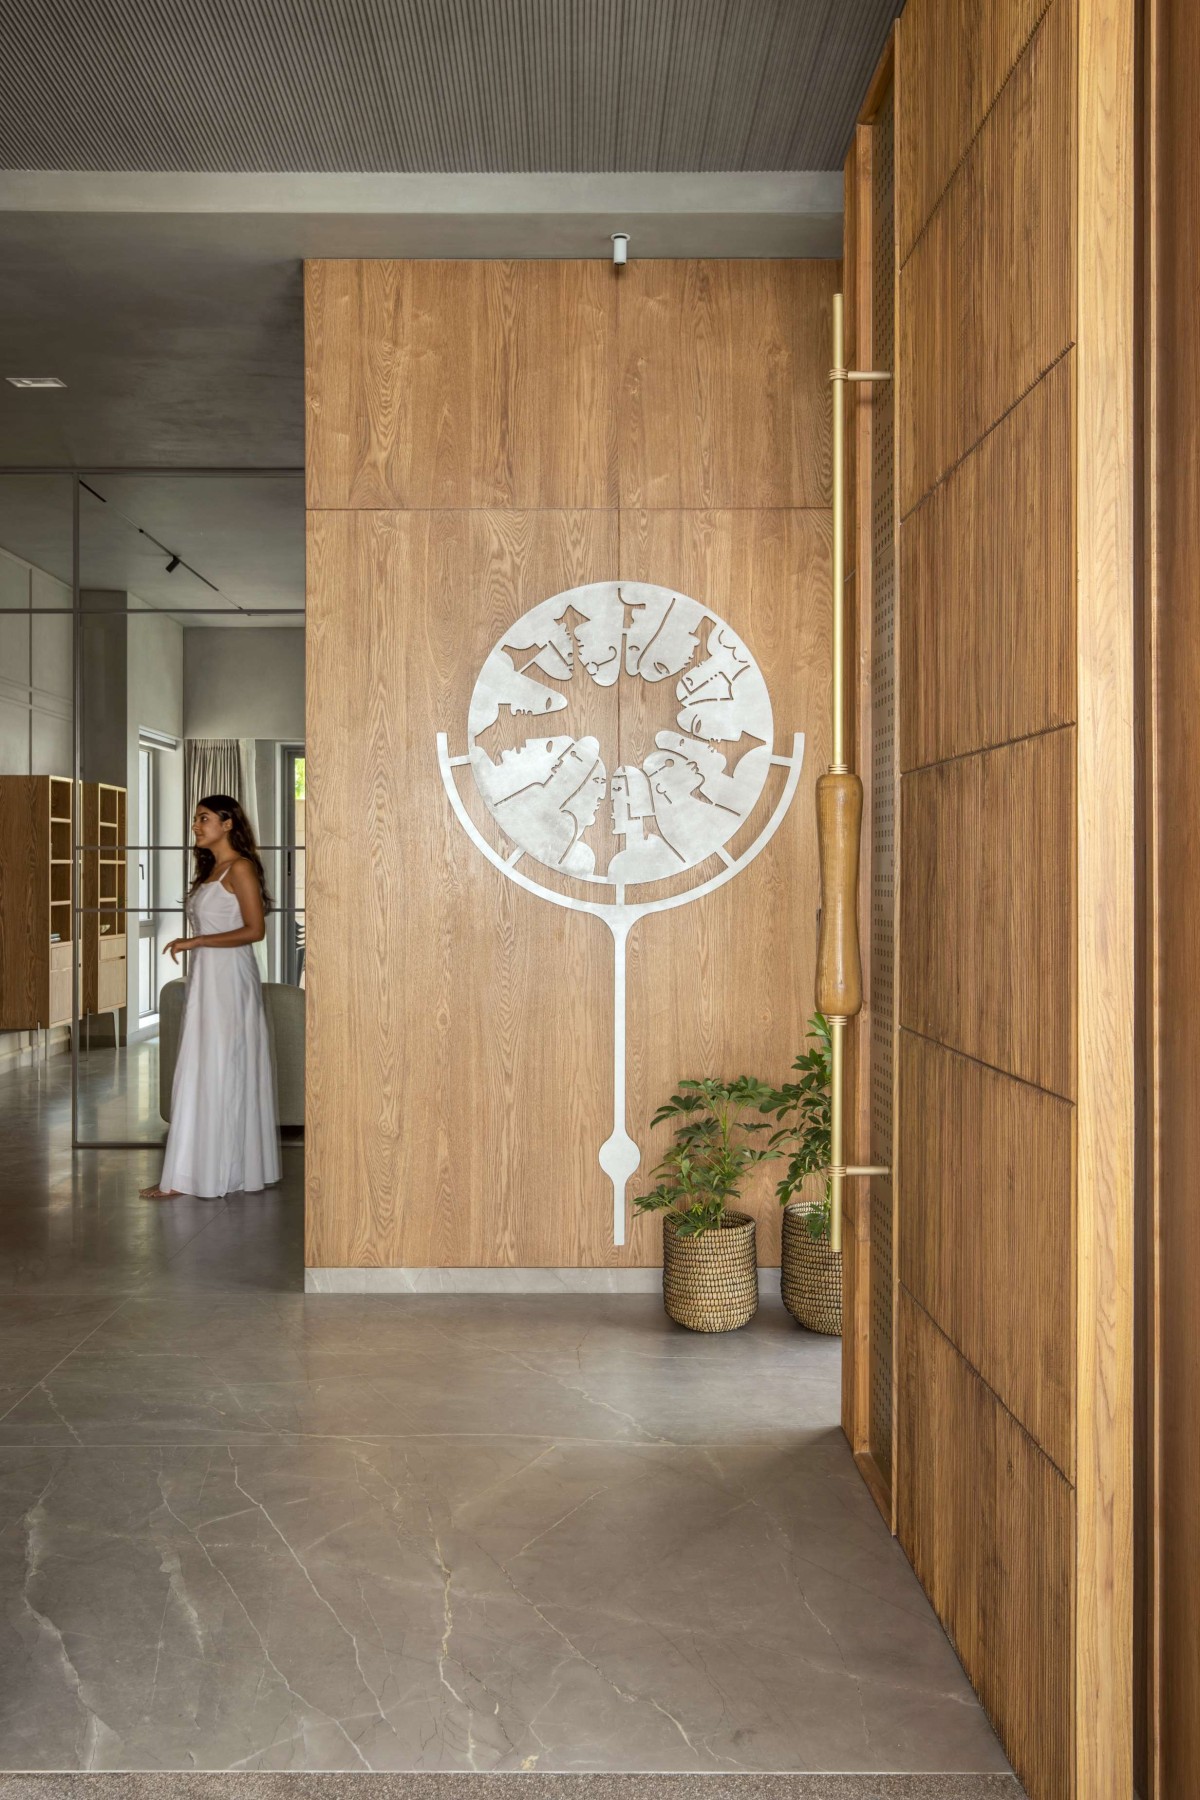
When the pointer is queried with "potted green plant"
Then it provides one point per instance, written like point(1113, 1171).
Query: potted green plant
point(810, 1272)
point(710, 1270)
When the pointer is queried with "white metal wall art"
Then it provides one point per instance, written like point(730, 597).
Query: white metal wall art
point(674, 802)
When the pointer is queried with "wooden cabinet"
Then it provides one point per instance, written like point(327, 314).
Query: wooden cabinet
point(102, 897)
point(35, 901)
point(36, 932)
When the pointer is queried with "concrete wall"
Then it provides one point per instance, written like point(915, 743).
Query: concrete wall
point(35, 672)
point(244, 683)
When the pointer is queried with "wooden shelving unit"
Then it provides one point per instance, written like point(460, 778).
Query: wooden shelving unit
point(103, 875)
point(36, 841)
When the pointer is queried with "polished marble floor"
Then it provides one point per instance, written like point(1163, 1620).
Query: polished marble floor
point(246, 1528)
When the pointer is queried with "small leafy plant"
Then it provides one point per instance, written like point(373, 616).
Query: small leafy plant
point(716, 1145)
point(805, 1137)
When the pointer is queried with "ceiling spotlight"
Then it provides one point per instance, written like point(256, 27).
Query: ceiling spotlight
point(173, 564)
point(34, 381)
point(620, 244)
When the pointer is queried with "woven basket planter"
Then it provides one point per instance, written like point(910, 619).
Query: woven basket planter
point(710, 1282)
point(810, 1275)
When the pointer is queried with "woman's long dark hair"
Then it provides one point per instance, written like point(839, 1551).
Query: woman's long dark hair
point(240, 837)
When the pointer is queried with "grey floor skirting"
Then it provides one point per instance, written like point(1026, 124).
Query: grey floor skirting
point(410, 1786)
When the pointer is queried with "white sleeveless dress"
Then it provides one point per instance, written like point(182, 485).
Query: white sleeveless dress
point(224, 1134)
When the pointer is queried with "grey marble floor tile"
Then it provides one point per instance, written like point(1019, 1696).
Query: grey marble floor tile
point(244, 1529)
point(456, 1604)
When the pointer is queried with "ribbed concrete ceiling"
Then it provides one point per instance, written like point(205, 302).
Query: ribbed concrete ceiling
point(434, 85)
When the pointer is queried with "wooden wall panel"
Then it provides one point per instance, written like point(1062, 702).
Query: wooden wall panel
point(726, 986)
point(987, 1522)
point(459, 1075)
point(987, 898)
point(1105, 883)
point(987, 297)
point(462, 384)
point(868, 1264)
point(463, 464)
point(986, 638)
point(1016, 946)
point(988, 1247)
point(964, 50)
point(725, 390)
point(1172, 800)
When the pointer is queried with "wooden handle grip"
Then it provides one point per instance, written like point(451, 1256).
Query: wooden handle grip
point(839, 967)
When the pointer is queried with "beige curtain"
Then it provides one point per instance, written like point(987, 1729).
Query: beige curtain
point(219, 766)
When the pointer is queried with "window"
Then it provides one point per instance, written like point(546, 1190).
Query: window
point(147, 882)
point(292, 898)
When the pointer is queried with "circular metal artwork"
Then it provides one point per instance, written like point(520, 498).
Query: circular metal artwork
point(699, 776)
point(695, 783)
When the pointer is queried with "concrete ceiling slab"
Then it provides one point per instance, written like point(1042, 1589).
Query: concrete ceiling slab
point(240, 541)
point(171, 305)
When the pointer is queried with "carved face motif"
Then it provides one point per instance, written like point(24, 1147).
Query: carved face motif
point(688, 796)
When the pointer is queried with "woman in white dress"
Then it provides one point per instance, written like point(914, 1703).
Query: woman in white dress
point(224, 1134)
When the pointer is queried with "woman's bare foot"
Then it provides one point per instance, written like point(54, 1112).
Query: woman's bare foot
point(158, 1193)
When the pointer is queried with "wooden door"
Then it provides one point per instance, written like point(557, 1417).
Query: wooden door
point(869, 1254)
point(1168, 1684)
point(1014, 698)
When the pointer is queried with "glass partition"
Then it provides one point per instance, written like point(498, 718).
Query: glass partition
point(190, 640)
point(37, 757)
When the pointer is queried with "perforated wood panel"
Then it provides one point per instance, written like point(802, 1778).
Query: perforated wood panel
point(883, 785)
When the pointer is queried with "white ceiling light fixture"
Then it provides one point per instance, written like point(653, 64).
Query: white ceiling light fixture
point(34, 381)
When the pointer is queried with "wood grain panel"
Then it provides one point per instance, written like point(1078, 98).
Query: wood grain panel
point(724, 370)
point(460, 384)
point(987, 907)
point(986, 635)
point(1173, 952)
point(462, 456)
point(988, 1246)
point(1106, 879)
point(987, 298)
point(1015, 366)
point(725, 986)
point(955, 56)
point(459, 1029)
point(987, 1522)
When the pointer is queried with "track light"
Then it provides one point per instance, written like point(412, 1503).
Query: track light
point(173, 565)
point(620, 244)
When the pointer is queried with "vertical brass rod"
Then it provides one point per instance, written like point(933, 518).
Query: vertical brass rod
point(837, 378)
point(837, 1173)
point(837, 1026)
point(839, 988)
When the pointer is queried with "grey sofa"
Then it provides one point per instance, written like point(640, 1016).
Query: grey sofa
point(285, 1027)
